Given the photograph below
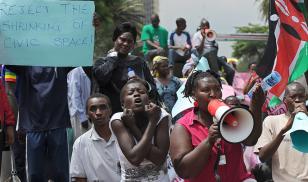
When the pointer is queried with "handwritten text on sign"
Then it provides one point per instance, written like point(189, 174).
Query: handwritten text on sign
point(42, 33)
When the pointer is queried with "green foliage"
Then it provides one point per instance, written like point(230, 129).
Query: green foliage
point(113, 12)
point(264, 8)
point(249, 51)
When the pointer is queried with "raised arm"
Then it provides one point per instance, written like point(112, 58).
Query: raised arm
point(134, 152)
point(159, 150)
point(257, 101)
point(268, 150)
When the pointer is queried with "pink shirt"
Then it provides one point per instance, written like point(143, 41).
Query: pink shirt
point(233, 171)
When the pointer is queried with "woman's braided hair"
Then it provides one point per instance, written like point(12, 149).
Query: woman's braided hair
point(193, 79)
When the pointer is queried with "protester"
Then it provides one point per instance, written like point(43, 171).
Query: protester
point(166, 84)
point(155, 40)
point(195, 149)
point(18, 147)
point(250, 159)
point(94, 155)
point(253, 77)
point(142, 133)
point(274, 144)
point(44, 115)
point(204, 47)
point(111, 72)
point(179, 47)
point(79, 89)
point(7, 122)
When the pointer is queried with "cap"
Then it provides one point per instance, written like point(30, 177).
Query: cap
point(204, 22)
point(158, 59)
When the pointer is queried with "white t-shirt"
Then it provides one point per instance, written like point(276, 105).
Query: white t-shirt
point(94, 158)
point(197, 39)
point(288, 164)
point(180, 40)
point(146, 171)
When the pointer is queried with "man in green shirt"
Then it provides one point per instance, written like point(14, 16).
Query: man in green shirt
point(155, 40)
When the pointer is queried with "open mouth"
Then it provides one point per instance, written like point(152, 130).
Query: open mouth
point(138, 101)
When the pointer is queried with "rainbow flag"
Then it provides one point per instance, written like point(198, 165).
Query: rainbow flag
point(9, 76)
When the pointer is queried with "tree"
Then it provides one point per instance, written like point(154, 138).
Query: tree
point(264, 8)
point(249, 51)
point(112, 13)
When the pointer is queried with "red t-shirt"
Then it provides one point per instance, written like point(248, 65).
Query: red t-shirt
point(233, 171)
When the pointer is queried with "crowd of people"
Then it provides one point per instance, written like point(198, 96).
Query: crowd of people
point(113, 122)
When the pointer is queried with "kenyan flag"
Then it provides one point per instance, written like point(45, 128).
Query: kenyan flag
point(287, 46)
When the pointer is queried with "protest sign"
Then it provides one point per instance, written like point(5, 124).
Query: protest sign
point(45, 33)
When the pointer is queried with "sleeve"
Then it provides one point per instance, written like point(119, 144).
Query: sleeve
point(188, 38)
point(145, 34)
point(76, 166)
point(115, 116)
point(196, 41)
point(74, 94)
point(166, 37)
point(164, 114)
point(9, 115)
point(103, 68)
point(171, 40)
point(267, 134)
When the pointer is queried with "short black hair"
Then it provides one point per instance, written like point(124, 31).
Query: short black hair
point(155, 17)
point(193, 79)
point(134, 80)
point(98, 95)
point(180, 20)
point(122, 28)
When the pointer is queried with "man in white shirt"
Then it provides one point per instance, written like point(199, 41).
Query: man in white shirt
point(203, 47)
point(94, 155)
point(288, 164)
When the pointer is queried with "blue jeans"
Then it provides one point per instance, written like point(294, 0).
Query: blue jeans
point(47, 156)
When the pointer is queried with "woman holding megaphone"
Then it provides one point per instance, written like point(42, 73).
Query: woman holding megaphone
point(197, 152)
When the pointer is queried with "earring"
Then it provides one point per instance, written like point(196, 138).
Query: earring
point(196, 104)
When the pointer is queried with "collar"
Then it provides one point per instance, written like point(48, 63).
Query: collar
point(95, 137)
point(192, 118)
